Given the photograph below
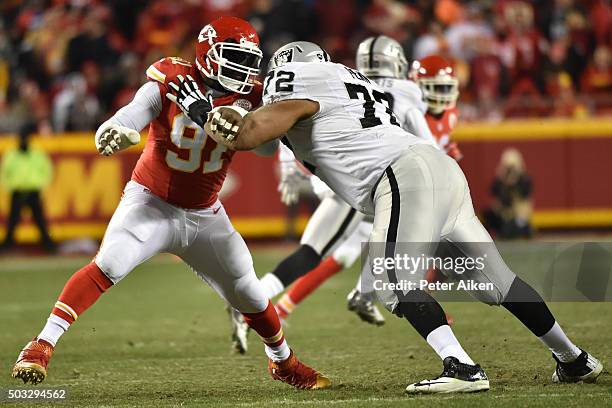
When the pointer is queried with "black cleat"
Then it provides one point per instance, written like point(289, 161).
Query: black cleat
point(585, 368)
point(364, 308)
point(456, 377)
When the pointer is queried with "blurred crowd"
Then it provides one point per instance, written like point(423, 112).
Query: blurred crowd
point(69, 64)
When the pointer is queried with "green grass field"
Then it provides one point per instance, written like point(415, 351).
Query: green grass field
point(161, 338)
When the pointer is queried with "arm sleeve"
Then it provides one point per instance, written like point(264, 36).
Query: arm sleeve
point(146, 106)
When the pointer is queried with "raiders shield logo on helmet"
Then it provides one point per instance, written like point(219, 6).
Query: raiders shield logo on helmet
point(283, 57)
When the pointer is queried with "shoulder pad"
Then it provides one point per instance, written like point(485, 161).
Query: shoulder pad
point(168, 68)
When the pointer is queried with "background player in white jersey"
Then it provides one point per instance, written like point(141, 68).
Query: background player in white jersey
point(338, 125)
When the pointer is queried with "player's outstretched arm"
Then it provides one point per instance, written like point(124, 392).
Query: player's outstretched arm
point(240, 131)
point(122, 129)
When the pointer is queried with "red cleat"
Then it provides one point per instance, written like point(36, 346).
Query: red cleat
point(31, 365)
point(292, 371)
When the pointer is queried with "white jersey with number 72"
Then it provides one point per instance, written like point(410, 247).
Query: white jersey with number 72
point(355, 135)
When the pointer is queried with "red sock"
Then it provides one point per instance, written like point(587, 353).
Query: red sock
point(80, 292)
point(307, 284)
point(267, 325)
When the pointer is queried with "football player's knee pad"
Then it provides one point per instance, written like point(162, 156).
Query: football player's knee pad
point(248, 295)
point(118, 256)
point(299, 263)
point(111, 265)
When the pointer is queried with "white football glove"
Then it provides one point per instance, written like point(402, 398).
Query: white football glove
point(291, 176)
point(114, 138)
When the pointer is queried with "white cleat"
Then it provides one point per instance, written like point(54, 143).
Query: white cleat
point(585, 368)
point(240, 331)
point(456, 377)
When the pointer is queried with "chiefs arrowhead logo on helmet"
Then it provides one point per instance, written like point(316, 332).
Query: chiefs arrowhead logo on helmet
point(228, 52)
point(207, 34)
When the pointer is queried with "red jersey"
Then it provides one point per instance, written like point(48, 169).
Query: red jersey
point(180, 163)
point(441, 128)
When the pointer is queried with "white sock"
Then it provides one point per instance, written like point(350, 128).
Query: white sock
point(445, 344)
point(272, 285)
point(278, 353)
point(560, 345)
point(53, 330)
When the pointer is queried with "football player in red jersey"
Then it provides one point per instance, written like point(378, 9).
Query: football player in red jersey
point(440, 88)
point(171, 203)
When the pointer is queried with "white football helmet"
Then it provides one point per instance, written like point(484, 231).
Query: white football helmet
point(298, 51)
point(381, 56)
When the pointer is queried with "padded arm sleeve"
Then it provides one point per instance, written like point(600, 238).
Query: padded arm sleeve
point(146, 106)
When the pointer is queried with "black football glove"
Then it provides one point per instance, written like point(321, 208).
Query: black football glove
point(190, 99)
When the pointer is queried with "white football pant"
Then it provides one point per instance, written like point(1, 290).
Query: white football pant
point(144, 225)
point(423, 198)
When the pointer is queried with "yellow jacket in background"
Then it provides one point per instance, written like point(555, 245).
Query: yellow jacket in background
point(29, 170)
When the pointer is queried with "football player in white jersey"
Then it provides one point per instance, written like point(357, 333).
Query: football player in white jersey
point(382, 60)
point(335, 231)
point(340, 126)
